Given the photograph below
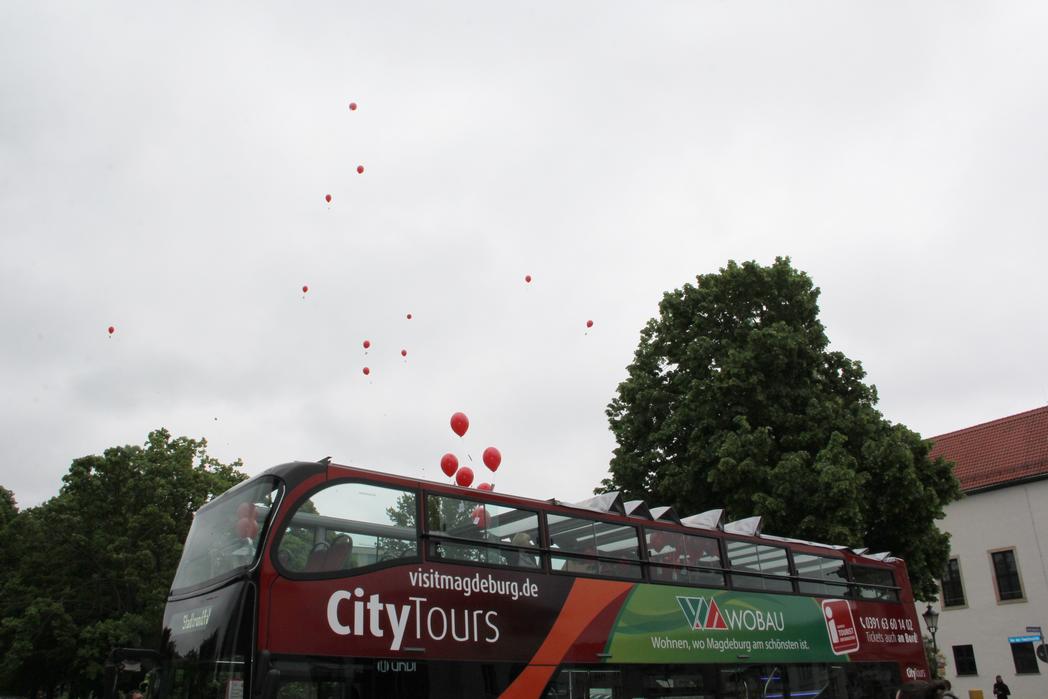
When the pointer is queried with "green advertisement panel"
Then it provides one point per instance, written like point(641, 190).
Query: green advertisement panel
point(662, 624)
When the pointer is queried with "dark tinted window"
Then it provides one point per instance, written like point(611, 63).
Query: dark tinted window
point(1025, 659)
point(874, 583)
point(1006, 571)
point(952, 589)
point(964, 660)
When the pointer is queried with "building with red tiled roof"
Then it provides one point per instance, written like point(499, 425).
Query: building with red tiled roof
point(994, 592)
point(997, 453)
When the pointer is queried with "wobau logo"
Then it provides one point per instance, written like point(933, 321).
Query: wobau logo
point(374, 618)
point(704, 615)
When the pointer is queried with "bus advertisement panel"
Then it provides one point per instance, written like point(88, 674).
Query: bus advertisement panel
point(451, 613)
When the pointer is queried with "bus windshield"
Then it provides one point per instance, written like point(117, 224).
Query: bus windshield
point(226, 533)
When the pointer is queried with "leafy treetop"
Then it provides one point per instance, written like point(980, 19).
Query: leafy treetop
point(90, 569)
point(734, 400)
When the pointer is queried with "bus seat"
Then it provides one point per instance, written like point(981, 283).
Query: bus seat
point(337, 557)
point(317, 557)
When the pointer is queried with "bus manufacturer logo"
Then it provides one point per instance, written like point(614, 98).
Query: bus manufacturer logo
point(702, 614)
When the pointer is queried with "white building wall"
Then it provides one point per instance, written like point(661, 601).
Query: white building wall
point(1015, 516)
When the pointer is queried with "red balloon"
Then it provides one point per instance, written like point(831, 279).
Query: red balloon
point(360, 169)
point(459, 423)
point(305, 289)
point(492, 458)
point(327, 198)
point(527, 278)
point(366, 371)
point(464, 476)
point(367, 343)
point(486, 486)
point(449, 463)
point(112, 329)
point(352, 106)
point(403, 353)
point(589, 323)
point(409, 316)
point(480, 517)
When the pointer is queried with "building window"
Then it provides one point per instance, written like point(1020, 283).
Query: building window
point(952, 589)
point(1006, 575)
point(964, 660)
point(1025, 659)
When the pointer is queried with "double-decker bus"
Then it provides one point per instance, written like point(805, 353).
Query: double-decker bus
point(320, 581)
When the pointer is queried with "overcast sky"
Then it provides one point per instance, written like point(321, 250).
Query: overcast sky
point(163, 168)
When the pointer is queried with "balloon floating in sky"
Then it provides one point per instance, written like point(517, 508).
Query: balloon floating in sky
point(367, 371)
point(527, 278)
point(327, 198)
point(492, 458)
point(409, 316)
point(486, 486)
point(403, 353)
point(360, 169)
point(459, 423)
point(305, 289)
point(449, 463)
point(112, 329)
point(367, 344)
point(352, 106)
point(464, 476)
point(589, 323)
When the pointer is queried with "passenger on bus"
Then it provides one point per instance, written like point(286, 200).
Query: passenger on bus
point(522, 558)
point(581, 565)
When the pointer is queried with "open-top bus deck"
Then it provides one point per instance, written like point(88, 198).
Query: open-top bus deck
point(319, 581)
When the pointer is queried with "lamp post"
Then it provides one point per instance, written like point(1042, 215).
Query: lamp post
point(931, 620)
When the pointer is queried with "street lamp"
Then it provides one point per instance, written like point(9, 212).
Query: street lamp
point(931, 620)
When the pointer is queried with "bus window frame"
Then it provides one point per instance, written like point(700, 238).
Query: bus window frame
point(854, 586)
point(844, 585)
point(285, 572)
point(732, 571)
point(641, 562)
point(433, 539)
point(426, 541)
point(180, 593)
point(649, 565)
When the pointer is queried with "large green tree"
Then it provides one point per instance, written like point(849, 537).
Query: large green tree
point(90, 569)
point(734, 400)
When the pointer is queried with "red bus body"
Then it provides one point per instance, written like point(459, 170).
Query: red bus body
point(421, 624)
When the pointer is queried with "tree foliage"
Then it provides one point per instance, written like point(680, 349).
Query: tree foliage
point(734, 400)
point(90, 569)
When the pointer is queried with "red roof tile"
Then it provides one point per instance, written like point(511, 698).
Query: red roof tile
point(995, 453)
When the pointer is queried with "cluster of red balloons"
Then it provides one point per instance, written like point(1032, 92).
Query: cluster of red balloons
point(247, 521)
point(463, 475)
